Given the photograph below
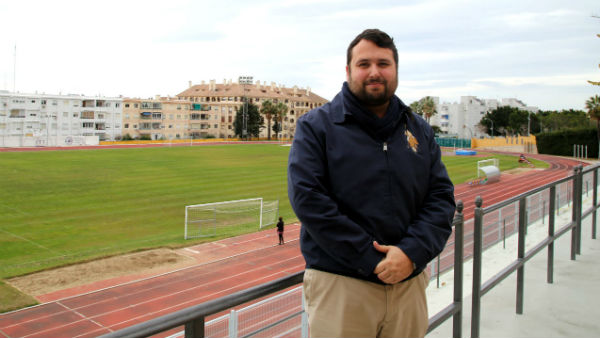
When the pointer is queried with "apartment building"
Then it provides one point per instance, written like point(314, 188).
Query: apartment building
point(213, 106)
point(462, 119)
point(57, 120)
point(161, 118)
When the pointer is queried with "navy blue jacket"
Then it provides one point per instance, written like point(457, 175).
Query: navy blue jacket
point(348, 189)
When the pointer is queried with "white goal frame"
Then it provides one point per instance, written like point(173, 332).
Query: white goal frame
point(207, 206)
point(486, 163)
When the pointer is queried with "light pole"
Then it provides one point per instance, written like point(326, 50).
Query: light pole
point(245, 80)
point(492, 127)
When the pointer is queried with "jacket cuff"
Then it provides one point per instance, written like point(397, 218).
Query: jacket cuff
point(412, 249)
point(368, 262)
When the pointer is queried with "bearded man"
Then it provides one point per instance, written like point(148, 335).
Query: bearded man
point(365, 179)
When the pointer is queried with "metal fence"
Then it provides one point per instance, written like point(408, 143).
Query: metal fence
point(491, 226)
point(453, 142)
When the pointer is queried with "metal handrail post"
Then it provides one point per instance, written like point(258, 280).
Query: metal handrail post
point(579, 198)
point(195, 328)
point(574, 219)
point(458, 269)
point(477, 257)
point(521, 254)
point(594, 203)
point(550, 270)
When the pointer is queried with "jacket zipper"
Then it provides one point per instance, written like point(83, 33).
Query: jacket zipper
point(388, 169)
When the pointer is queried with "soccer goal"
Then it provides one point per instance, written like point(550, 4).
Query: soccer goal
point(203, 220)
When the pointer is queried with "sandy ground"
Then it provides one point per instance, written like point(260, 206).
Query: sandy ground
point(44, 282)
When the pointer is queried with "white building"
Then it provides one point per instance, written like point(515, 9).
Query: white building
point(462, 119)
point(57, 120)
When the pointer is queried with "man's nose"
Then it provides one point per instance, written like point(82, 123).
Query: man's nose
point(374, 71)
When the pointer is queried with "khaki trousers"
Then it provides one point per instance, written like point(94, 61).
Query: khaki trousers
point(340, 306)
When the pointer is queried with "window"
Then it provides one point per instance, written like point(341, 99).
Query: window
point(126, 105)
point(126, 125)
point(65, 114)
point(117, 105)
point(100, 116)
point(88, 124)
point(87, 115)
point(75, 115)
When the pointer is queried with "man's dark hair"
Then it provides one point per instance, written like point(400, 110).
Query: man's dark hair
point(380, 38)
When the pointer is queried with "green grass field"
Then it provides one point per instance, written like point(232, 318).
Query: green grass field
point(64, 207)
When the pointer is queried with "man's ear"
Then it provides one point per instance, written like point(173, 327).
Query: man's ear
point(347, 73)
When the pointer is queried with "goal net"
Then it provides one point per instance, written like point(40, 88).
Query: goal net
point(203, 220)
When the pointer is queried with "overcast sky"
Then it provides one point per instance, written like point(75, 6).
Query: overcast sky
point(541, 52)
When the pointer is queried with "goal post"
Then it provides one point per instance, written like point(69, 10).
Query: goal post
point(204, 220)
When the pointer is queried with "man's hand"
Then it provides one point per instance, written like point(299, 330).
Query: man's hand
point(396, 265)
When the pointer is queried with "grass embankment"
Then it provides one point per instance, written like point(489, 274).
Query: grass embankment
point(64, 207)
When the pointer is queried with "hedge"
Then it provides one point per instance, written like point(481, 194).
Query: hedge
point(561, 142)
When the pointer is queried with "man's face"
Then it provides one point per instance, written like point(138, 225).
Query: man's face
point(372, 74)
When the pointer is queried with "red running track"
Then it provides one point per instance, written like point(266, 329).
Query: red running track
point(222, 268)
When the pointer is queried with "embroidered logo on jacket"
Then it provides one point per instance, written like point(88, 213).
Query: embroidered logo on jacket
point(412, 141)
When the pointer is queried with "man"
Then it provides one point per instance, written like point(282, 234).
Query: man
point(366, 180)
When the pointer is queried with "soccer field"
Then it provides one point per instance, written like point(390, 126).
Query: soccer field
point(60, 207)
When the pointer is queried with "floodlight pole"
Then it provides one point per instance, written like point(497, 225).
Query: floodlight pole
point(244, 80)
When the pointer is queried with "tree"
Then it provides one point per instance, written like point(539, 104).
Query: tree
point(552, 120)
point(268, 110)
point(499, 118)
point(416, 107)
point(428, 107)
point(517, 121)
point(593, 107)
point(254, 122)
point(280, 111)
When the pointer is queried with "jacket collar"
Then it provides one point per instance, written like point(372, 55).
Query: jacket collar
point(339, 112)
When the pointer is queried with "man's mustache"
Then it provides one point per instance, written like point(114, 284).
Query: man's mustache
point(380, 81)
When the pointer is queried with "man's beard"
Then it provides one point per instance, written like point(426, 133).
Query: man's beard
point(371, 99)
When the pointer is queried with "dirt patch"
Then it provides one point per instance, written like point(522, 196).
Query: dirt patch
point(81, 274)
point(517, 171)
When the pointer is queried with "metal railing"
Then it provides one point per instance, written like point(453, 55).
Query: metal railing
point(193, 318)
point(518, 265)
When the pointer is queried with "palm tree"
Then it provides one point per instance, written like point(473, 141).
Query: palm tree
point(593, 107)
point(268, 109)
point(428, 107)
point(416, 107)
point(280, 111)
